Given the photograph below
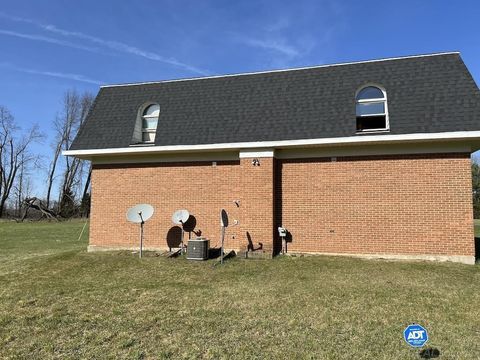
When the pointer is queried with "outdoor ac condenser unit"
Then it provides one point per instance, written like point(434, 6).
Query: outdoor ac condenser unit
point(197, 249)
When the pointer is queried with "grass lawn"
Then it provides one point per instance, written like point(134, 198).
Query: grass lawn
point(57, 301)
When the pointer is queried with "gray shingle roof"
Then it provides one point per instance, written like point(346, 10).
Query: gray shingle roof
point(425, 94)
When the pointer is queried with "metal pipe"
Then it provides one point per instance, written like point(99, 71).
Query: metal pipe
point(223, 240)
point(141, 233)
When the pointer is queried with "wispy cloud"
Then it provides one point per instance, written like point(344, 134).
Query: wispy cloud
point(281, 23)
point(122, 47)
point(69, 76)
point(275, 38)
point(271, 44)
point(47, 39)
point(110, 44)
point(285, 41)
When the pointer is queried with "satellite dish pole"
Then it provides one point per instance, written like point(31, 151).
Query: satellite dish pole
point(182, 240)
point(141, 232)
point(223, 225)
point(223, 242)
point(139, 214)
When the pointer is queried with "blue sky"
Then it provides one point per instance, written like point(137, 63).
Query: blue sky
point(47, 47)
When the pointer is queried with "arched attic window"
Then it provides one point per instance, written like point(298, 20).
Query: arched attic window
point(146, 125)
point(371, 109)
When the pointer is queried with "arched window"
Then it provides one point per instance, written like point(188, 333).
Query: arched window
point(146, 125)
point(371, 109)
point(149, 123)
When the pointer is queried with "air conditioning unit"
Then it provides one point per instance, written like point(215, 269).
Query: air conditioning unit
point(197, 249)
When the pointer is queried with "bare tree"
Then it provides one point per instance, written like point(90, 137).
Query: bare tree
point(87, 103)
point(14, 153)
point(19, 186)
point(86, 195)
point(23, 186)
point(53, 165)
point(63, 125)
point(75, 110)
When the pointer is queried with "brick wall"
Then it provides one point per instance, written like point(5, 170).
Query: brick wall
point(200, 187)
point(412, 204)
point(257, 195)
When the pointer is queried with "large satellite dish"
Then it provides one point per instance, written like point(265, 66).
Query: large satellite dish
point(138, 215)
point(180, 217)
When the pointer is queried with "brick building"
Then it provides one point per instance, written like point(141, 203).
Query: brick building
point(365, 159)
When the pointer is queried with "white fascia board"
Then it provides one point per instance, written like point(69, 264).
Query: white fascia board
point(350, 140)
point(262, 153)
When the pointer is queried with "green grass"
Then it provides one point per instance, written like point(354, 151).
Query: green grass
point(57, 301)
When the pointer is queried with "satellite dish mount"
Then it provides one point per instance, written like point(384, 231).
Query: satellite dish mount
point(139, 214)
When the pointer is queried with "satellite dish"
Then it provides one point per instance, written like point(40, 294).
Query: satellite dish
point(223, 218)
point(140, 213)
point(180, 217)
point(223, 226)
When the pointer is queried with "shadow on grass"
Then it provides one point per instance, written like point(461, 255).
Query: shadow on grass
point(429, 353)
point(214, 253)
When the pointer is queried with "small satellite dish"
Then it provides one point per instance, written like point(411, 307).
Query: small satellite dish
point(180, 217)
point(223, 218)
point(138, 215)
point(223, 226)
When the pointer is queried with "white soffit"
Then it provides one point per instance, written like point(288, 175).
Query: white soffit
point(471, 136)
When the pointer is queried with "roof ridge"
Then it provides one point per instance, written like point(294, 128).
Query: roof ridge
point(284, 70)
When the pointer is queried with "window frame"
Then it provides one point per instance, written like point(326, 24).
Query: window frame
point(146, 130)
point(383, 100)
